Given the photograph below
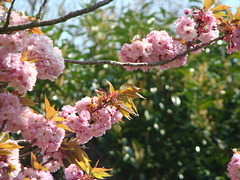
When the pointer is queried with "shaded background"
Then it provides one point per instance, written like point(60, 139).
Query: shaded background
point(189, 120)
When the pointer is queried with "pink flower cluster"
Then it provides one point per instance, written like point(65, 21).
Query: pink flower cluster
point(206, 25)
point(31, 173)
point(42, 59)
point(45, 134)
point(34, 127)
point(6, 160)
point(12, 113)
point(53, 160)
point(73, 173)
point(234, 167)
point(186, 28)
point(159, 46)
point(87, 119)
point(234, 41)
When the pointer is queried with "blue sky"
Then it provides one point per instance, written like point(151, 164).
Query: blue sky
point(71, 5)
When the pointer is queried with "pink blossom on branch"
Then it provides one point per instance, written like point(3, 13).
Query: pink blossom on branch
point(50, 63)
point(186, 28)
point(6, 160)
point(234, 166)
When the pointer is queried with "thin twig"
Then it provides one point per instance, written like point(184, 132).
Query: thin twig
point(115, 63)
point(61, 19)
point(40, 12)
point(3, 125)
point(29, 152)
point(26, 148)
point(9, 16)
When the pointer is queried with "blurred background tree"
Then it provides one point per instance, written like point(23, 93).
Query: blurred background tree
point(188, 122)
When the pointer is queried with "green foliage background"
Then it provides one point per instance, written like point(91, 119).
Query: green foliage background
point(188, 122)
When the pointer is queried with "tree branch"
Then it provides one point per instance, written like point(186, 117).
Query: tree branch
point(8, 16)
point(116, 63)
point(40, 12)
point(61, 19)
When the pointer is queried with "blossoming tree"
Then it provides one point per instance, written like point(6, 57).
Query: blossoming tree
point(27, 54)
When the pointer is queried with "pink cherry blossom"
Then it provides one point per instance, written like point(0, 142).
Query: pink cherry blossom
point(50, 63)
point(73, 173)
point(185, 28)
point(13, 159)
point(234, 166)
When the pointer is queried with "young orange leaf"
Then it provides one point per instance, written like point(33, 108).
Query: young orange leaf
point(64, 126)
point(208, 3)
point(237, 15)
point(235, 21)
point(4, 152)
point(111, 88)
point(50, 111)
point(219, 13)
point(82, 166)
point(25, 56)
point(8, 1)
point(47, 104)
point(100, 173)
point(32, 60)
point(220, 8)
point(10, 146)
point(59, 119)
point(230, 15)
point(4, 136)
point(26, 101)
point(36, 30)
point(89, 168)
point(35, 164)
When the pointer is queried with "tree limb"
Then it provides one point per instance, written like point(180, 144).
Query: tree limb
point(9, 16)
point(61, 19)
point(40, 12)
point(116, 63)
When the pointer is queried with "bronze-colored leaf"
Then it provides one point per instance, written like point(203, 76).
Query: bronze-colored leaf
point(230, 15)
point(25, 56)
point(111, 88)
point(5, 152)
point(4, 136)
point(10, 146)
point(235, 21)
point(220, 8)
point(26, 101)
point(208, 3)
point(36, 30)
point(237, 15)
point(35, 164)
point(50, 111)
point(64, 126)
